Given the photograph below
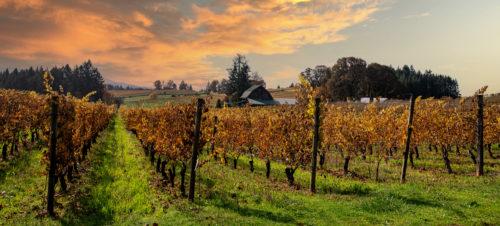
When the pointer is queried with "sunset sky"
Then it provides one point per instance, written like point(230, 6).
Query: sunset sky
point(141, 41)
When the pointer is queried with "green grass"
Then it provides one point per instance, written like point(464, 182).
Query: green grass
point(455, 199)
point(116, 190)
point(161, 100)
point(120, 187)
point(113, 189)
point(21, 186)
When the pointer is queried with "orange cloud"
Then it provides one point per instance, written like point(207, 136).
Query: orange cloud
point(140, 42)
point(141, 18)
point(20, 4)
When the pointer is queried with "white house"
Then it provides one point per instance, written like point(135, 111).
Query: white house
point(366, 100)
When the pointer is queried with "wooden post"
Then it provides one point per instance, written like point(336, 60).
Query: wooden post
point(213, 135)
point(480, 158)
point(195, 150)
point(315, 144)
point(4, 152)
point(52, 157)
point(408, 139)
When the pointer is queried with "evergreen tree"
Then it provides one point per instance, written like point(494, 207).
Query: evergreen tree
point(92, 80)
point(79, 82)
point(239, 80)
point(427, 84)
point(183, 85)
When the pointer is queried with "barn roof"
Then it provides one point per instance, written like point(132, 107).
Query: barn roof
point(249, 91)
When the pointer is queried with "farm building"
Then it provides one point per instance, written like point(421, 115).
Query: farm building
point(367, 100)
point(256, 95)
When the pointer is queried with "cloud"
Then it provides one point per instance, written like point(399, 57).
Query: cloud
point(141, 18)
point(21, 4)
point(141, 41)
point(413, 16)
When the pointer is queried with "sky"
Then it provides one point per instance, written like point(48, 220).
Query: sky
point(138, 42)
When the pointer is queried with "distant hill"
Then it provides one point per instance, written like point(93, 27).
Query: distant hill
point(124, 85)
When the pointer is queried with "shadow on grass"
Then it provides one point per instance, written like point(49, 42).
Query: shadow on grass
point(394, 202)
point(391, 202)
point(230, 201)
point(346, 188)
point(417, 201)
point(87, 207)
point(250, 212)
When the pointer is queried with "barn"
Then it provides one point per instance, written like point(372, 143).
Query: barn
point(256, 95)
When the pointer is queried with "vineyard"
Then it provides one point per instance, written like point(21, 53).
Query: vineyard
point(256, 165)
point(284, 134)
point(68, 124)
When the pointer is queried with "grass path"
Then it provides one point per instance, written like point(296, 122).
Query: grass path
point(113, 190)
point(116, 189)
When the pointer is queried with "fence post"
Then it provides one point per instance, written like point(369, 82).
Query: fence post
point(480, 158)
point(408, 140)
point(52, 156)
point(213, 135)
point(315, 144)
point(194, 155)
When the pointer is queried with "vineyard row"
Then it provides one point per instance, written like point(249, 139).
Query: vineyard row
point(68, 124)
point(285, 133)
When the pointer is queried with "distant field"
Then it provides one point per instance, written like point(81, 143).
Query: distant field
point(128, 93)
point(288, 93)
point(121, 93)
point(164, 97)
point(494, 99)
point(133, 98)
point(140, 97)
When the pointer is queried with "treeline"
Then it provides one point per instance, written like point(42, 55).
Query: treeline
point(79, 81)
point(353, 78)
point(427, 84)
point(170, 85)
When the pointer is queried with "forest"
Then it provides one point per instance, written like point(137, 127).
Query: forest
point(79, 80)
point(353, 78)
